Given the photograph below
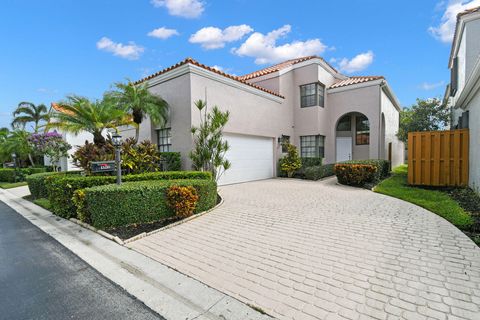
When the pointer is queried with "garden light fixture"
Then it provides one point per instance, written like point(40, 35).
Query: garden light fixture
point(117, 142)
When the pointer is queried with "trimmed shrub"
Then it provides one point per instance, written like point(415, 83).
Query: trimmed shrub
point(172, 161)
point(60, 189)
point(137, 202)
point(311, 162)
point(383, 167)
point(36, 182)
point(319, 172)
point(33, 170)
point(7, 175)
point(182, 200)
point(355, 174)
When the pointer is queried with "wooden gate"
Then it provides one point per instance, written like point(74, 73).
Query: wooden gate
point(438, 158)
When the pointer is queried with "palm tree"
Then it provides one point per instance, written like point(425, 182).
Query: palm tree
point(17, 142)
point(28, 112)
point(80, 114)
point(139, 102)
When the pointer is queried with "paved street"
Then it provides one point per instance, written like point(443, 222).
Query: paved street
point(41, 279)
point(316, 250)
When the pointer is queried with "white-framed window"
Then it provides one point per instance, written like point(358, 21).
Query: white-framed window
point(164, 139)
point(312, 146)
point(312, 94)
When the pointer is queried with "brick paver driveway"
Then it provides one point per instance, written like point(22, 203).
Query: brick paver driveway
point(316, 250)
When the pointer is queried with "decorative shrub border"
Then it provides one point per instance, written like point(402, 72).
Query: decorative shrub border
point(112, 206)
point(61, 188)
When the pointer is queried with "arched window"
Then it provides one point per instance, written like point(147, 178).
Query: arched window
point(345, 124)
point(362, 128)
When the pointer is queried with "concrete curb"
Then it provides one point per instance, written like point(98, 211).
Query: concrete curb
point(164, 290)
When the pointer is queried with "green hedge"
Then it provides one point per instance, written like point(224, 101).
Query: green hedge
point(383, 167)
point(36, 182)
point(7, 175)
point(136, 202)
point(173, 160)
point(319, 172)
point(33, 170)
point(60, 189)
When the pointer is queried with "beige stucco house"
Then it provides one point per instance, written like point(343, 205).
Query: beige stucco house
point(305, 101)
point(463, 92)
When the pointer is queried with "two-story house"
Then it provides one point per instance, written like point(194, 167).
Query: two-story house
point(305, 101)
point(463, 93)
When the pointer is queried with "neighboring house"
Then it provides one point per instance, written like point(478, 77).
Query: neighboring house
point(463, 94)
point(305, 101)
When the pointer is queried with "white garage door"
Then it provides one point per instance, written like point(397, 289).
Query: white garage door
point(251, 158)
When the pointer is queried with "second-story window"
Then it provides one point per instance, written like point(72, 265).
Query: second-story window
point(454, 77)
point(312, 94)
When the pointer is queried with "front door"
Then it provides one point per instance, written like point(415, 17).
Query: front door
point(344, 149)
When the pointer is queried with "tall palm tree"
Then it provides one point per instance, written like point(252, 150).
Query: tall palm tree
point(28, 112)
point(139, 102)
point(78, 114)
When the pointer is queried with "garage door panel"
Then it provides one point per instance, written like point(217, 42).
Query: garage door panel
point(251, 158)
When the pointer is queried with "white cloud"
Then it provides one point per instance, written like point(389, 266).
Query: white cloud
point(358, 63)
point(163, 33)
point(445, 30)
point(430, 86)
point(129, 51)
point(181, 8)
point(219, 68)
point(264, 48)
point(215, 38)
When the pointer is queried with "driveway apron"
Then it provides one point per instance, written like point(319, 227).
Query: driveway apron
point(316, 250)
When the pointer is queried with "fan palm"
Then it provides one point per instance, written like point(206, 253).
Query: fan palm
point(139, 102)
point(28, 112)
point(80, 114)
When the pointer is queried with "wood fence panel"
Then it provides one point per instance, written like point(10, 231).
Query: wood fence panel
point(438, 158)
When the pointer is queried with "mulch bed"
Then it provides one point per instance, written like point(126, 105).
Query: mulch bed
point(126, 232)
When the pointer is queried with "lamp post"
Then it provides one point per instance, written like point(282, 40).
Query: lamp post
point(117, 142)
point(14, 157)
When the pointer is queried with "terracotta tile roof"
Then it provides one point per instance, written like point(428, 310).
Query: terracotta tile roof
point(194, 62)
point(354, 80)
point(57, 107)
point(280, 66)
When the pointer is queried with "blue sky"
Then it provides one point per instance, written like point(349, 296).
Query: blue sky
point(54, 48)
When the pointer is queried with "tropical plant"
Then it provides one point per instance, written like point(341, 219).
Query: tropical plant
point(89, 152)
point(50, 144)
point(78, 114)
point(209, 149)
point(17, 142)
point(182, 200)
point(28, 112)
point(138, 101)
point(141, 157)
point(425, 115)
point(136, 158)
point(291, 162)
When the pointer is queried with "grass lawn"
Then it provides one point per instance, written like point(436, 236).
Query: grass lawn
point(436, 201)
point(44, 203)
point(9, 185)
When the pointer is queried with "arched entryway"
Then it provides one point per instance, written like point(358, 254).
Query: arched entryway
point(352, 137)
